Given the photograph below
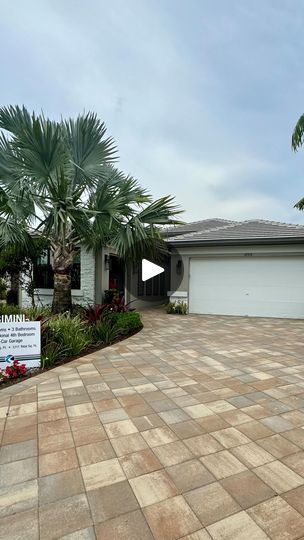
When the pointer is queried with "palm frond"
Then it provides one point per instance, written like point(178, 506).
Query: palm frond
point(298, 134)
point(163, 211)
point(90, 151)
point(135, 241)
point(118, 200)
point(300, 204)
point(125, 186)
point(14, 119)
point(11, 232)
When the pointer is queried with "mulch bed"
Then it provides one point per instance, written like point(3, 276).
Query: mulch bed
point(89, 350)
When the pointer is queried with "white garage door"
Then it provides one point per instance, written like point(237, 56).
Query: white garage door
point(254, 286)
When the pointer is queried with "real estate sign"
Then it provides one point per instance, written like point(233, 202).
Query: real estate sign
point(19, 338)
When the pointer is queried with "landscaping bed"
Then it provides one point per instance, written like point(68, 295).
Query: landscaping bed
point(68, 336)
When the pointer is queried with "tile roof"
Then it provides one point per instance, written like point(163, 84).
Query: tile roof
point(254, 229)
point(197, 226)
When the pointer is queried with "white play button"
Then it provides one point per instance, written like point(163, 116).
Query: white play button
point(149, 269)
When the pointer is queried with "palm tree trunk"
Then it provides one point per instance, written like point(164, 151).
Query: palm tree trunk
point(62, 298)
point(62, 265)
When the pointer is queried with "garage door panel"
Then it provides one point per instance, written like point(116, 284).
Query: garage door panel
point(257, 286)
point(269, 294)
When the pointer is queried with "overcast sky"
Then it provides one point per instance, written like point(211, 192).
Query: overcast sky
point(200, 95)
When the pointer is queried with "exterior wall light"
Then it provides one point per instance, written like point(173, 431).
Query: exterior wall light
point(179, 266)
point(107, 260)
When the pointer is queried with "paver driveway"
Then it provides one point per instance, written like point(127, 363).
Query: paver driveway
point(191, 429)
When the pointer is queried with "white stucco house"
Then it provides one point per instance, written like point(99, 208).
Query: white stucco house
point(217, 266)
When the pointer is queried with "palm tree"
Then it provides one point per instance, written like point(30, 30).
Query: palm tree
point(296, 142)
point(59, 178)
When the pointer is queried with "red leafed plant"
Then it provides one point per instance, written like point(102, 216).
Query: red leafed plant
point(93, 314)
point(118, 305)
point(14, 371)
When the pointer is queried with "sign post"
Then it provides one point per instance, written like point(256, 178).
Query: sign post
point(20, 339)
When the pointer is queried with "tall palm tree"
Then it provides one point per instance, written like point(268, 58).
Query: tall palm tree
point(296, 142)
point(59, 178)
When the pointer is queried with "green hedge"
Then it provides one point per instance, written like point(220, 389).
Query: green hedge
point(126, 322)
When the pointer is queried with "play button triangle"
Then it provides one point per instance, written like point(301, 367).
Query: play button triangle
point(149, 269)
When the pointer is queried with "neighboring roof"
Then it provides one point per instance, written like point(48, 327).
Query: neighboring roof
point(197, 226)
point(252, 231)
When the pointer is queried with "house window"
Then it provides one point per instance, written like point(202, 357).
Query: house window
point(44, 274)
point(152, 287)
point(76, 271)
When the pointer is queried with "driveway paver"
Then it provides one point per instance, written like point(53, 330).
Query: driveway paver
point(191, 429)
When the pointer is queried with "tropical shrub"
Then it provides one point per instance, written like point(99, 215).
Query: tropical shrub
point(105, 332)
point(126, 323)
point(36, 313)
point(71, 333)
point(51, 352)
point(177, 308)
point(51, 349)
point(94, 314)
point(118, 305)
